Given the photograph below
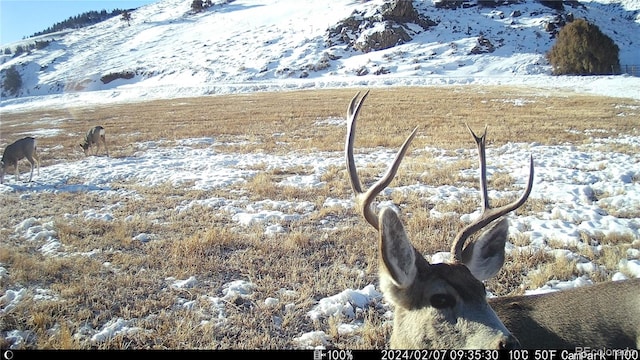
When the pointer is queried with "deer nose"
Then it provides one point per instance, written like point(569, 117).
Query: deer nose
point(509, 342)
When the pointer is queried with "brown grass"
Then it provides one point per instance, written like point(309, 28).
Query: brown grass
point(106, 275)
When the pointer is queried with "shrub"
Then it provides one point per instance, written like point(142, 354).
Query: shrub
point(197, 6)
point(126, 74)
point(39, 45)
point(126, 16)
point(19, 50)
point(582, 49)
point(12, 81)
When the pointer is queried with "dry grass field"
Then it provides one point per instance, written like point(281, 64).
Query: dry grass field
point(305, 259)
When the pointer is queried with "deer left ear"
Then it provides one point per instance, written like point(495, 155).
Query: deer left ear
point(485, 256)
point(397, 255)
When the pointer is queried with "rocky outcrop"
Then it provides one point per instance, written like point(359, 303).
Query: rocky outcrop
point(483, 46)
point(388, 26)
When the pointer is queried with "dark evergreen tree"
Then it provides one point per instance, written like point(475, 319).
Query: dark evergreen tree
point(126, 16)
point(582, 49)
point(197, 6)
point(12, 81)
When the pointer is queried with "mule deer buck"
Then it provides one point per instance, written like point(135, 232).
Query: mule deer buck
point(20, 149)
point(95, 135)
point(445, 305)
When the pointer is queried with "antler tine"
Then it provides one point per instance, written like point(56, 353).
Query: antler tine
point(488, 214)
point(481, 142)
point(352, 113)
point(363, 199)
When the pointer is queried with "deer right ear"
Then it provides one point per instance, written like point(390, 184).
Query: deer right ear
point(485, 256)
point(397, 255)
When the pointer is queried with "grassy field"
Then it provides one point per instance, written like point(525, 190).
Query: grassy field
point(305, 259)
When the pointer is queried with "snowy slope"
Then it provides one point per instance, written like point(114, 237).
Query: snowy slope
point(247, 45)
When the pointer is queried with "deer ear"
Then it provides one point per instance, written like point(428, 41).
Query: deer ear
point(397, 255)
point(485, 256)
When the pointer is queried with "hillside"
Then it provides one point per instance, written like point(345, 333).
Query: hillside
point(168, 50)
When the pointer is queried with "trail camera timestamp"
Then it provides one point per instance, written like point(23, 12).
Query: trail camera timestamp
point(440, 355)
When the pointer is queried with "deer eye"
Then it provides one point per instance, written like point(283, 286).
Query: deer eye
point(441, 301)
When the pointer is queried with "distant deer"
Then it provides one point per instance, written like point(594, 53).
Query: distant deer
point(20, 149)
point(444, 305)
point(95, 135)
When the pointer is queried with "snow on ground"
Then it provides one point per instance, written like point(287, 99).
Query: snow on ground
point(566, 175)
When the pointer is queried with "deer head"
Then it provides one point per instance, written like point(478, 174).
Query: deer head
point(436, 305)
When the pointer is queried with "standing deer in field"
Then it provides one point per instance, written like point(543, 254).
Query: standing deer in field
point(445, 306)
point(20, 149)
point(95, 135)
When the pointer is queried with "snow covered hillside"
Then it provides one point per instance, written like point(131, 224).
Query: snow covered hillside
point(167, 50)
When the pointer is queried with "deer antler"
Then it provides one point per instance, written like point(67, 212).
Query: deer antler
point(363, 199)
point(488, 214)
